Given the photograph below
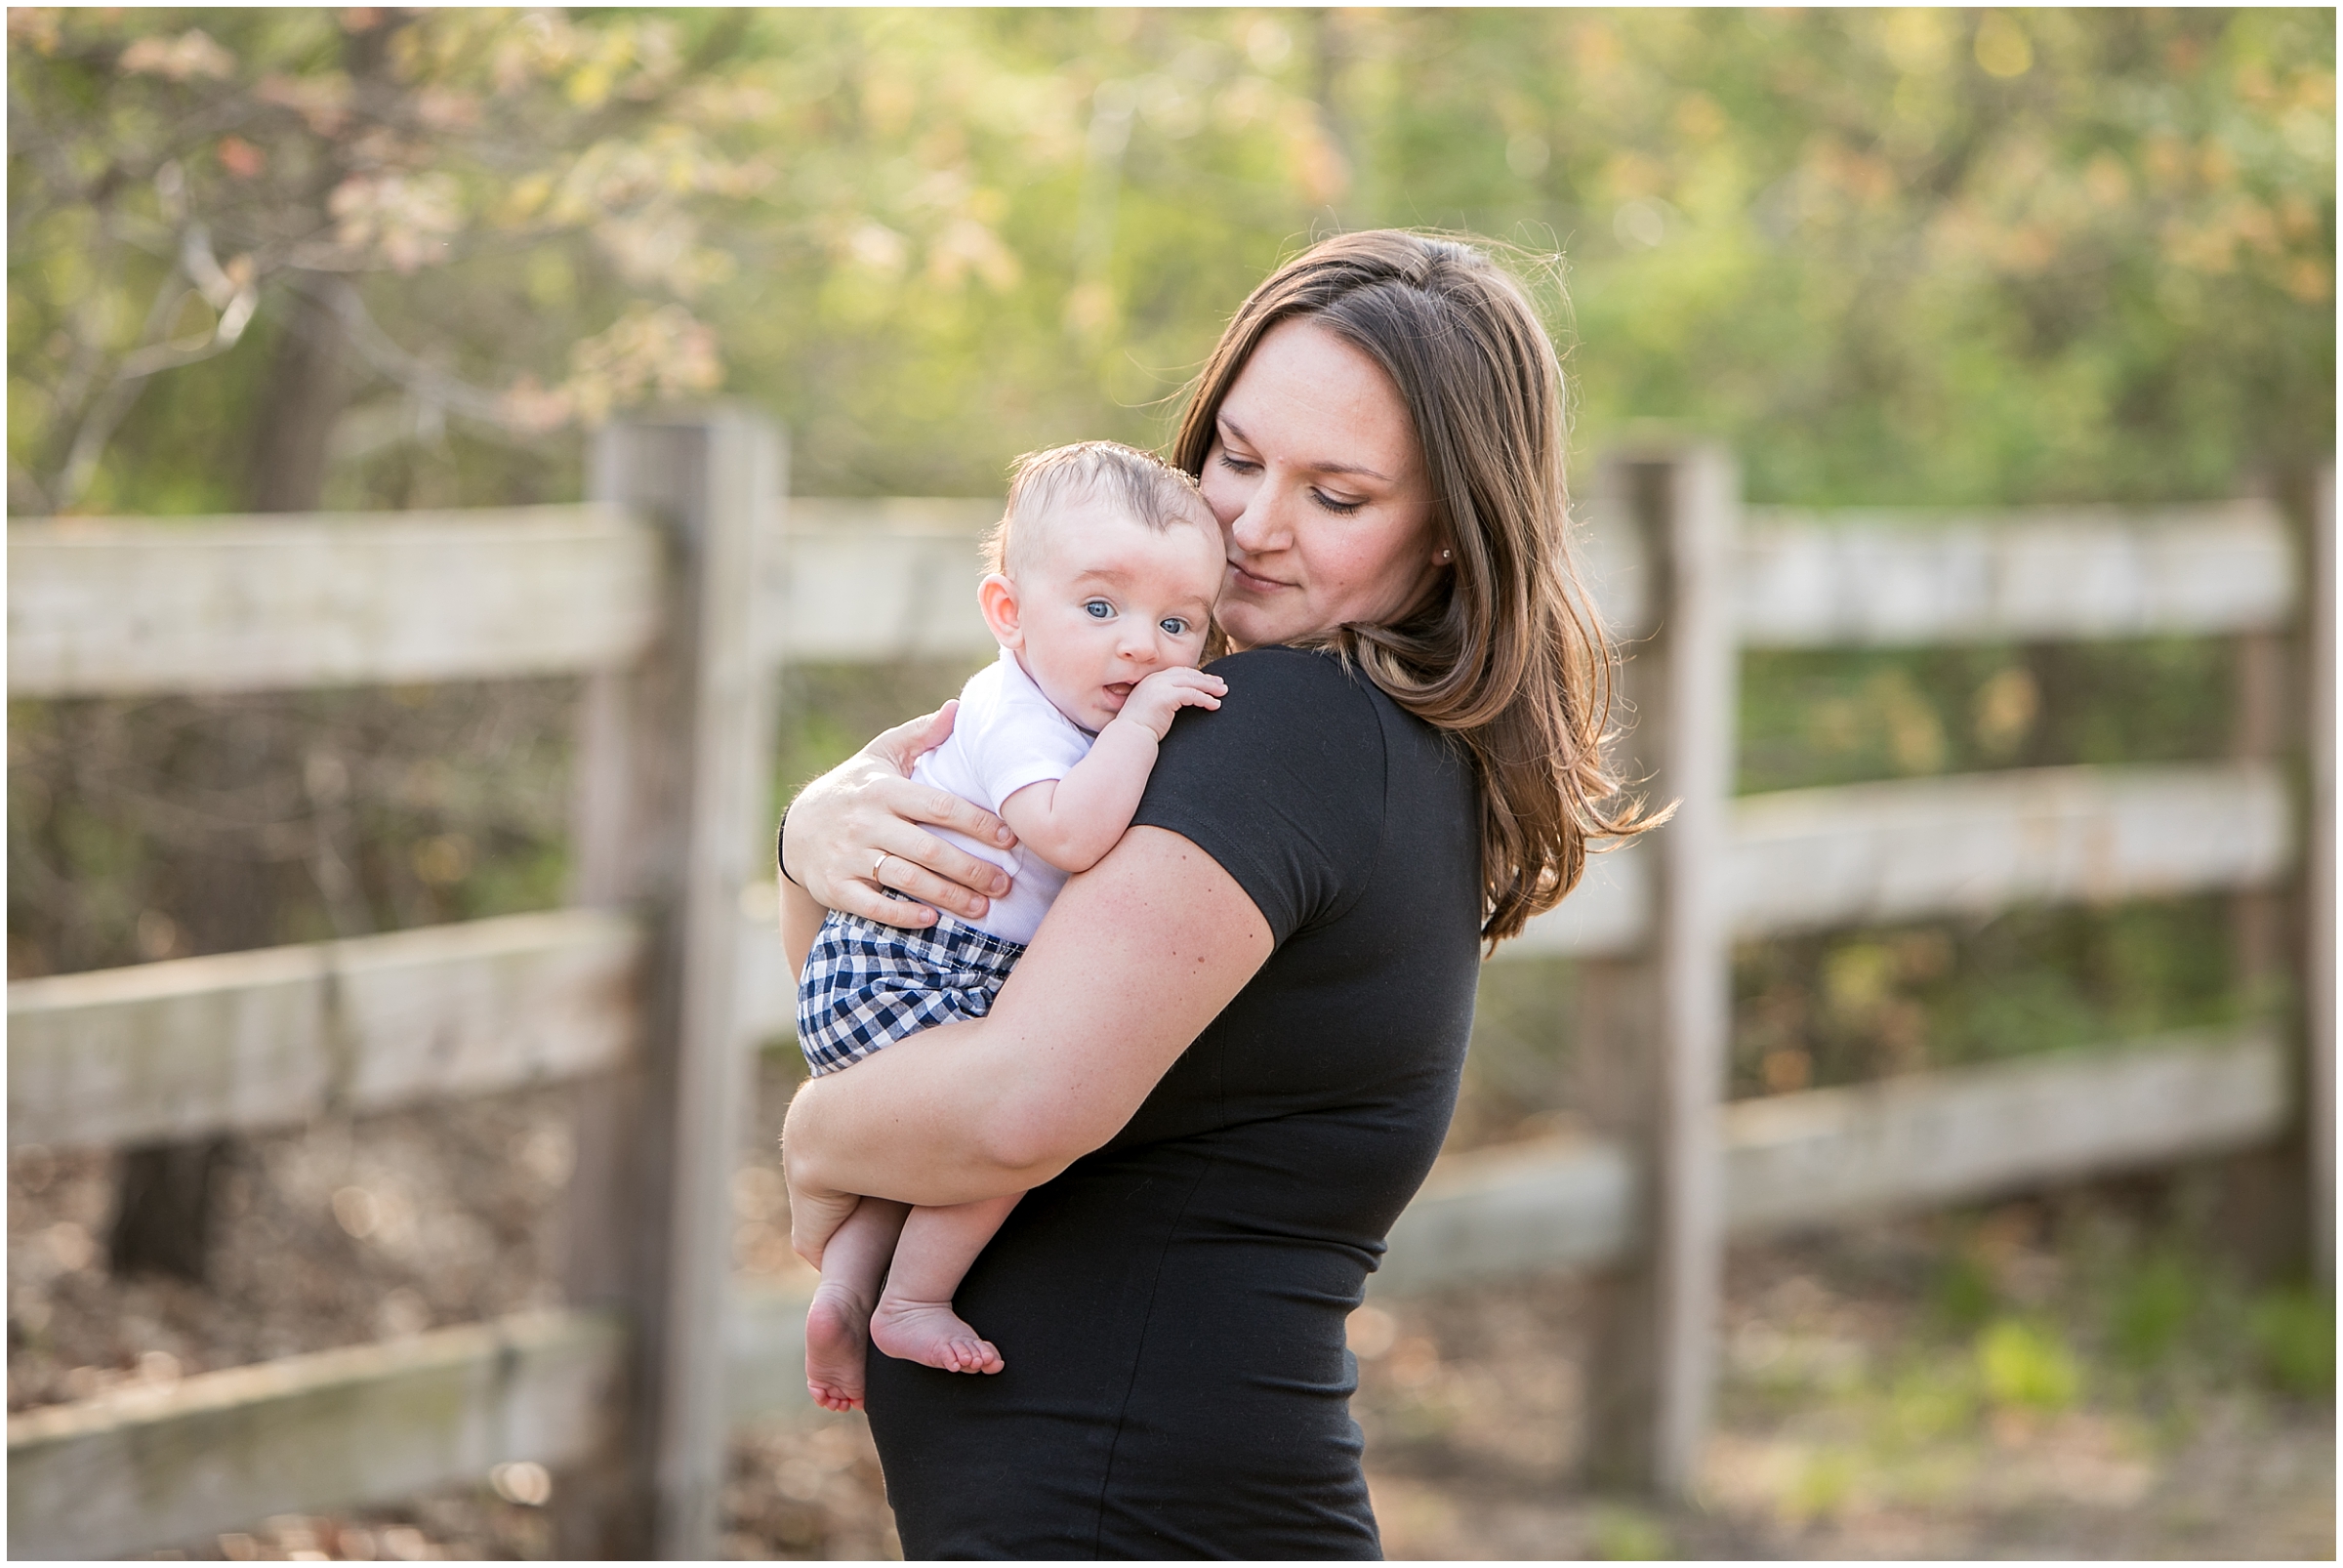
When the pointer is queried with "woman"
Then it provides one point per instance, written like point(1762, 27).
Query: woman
point(1230, 1054)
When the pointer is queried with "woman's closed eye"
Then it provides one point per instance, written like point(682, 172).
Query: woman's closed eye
point(1249, 466)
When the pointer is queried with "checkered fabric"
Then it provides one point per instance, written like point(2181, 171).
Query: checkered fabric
point(868, 986)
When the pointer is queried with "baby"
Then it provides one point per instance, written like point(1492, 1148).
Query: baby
point(1099, 590)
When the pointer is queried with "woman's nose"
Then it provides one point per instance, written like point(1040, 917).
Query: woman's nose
point(1256, 529)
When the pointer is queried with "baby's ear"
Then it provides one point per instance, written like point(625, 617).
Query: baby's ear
point(997, 597)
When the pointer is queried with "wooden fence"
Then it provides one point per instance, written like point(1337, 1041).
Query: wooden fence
point(678, 589)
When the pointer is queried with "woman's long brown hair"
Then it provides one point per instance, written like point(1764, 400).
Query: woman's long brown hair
point(1507, 653)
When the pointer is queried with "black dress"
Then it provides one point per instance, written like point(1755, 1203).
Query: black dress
point(1172, 1307)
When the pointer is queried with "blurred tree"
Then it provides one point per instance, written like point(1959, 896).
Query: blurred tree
point(1892, 255)
point(1909, 255)
point(183, 184)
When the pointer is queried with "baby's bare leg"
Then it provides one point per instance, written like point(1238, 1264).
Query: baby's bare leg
point(838, 1324)
point(914, 1320)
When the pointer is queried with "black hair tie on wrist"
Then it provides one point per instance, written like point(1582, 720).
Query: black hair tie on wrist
point(781, 837)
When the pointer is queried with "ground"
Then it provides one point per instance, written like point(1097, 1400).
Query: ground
point(2036, 1380)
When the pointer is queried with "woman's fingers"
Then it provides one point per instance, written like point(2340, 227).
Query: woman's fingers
point(866, 812)
point(914, 880)
point(924, 803)
point(903, 745)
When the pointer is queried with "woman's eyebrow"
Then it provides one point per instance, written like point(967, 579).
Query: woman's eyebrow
point(1231, 426)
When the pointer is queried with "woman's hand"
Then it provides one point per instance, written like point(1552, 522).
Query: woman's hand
point(857, 827)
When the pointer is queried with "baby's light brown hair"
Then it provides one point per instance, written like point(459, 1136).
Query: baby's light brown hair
point(1137, 482)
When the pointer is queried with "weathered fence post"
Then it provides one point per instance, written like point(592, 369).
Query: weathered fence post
point(1654, 1028)
point(668, 777)
point(2318, 924)
point(2259, 1204)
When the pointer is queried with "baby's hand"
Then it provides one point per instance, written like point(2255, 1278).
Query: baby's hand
point(1154, 700)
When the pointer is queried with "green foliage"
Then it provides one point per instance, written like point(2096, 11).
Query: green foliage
point(1929, 1399)
point(1846, 716)
point(1882, 267)
point(2295, 1335)
point(2153, 1304)
point(2026, 1365)
point(1965, 1295)
point(1926, 256)
point(1824, 1484)
point(142, 829)
point(1849, 1006)
point(1619, 1532)
point(179, 177)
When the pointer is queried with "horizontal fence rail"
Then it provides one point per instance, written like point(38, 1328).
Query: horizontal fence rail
point(1907, 577)
point(1900, 850)
point(244, 1041)
point(1908, 850)
point(880, 579)
point(889, 578)
point(122, 608)
point(371, 1424)
point(1852, 854)
point(1825, 1155)
point(146, 1467)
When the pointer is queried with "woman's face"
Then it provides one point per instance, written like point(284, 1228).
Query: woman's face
point(1316, 477)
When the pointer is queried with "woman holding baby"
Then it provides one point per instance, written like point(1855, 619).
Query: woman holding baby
point(1229, 1054)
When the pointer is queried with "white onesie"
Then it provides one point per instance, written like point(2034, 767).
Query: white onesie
point(1006, 736)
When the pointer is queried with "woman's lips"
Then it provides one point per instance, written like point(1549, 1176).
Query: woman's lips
point(1253, 583)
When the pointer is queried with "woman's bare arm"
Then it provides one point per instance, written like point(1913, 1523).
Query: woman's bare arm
point(801, 923)
point(838, 823)
point(1134, 958)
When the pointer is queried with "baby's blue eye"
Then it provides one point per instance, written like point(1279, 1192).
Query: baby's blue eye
point(1098, 609)
point(1174, 626)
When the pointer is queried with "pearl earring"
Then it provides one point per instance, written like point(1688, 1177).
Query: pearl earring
point(1444, 556)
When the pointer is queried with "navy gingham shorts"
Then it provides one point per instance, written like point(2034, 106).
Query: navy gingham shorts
point(868, 986)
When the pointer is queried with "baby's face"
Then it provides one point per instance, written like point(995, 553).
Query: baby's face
point(1104, 601)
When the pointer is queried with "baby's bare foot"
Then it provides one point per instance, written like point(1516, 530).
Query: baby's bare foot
point(933, 1335)
point(837, 1336)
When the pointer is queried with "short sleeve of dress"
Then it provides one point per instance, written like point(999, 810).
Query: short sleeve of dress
point(1284, 785)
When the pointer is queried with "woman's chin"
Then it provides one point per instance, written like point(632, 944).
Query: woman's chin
point(1258, 629)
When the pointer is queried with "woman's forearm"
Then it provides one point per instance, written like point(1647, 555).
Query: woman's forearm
point(801, 923)
point(887, 1128)
point(1133, 960)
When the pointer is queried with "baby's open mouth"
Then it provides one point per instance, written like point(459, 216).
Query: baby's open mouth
point(1119, 689)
